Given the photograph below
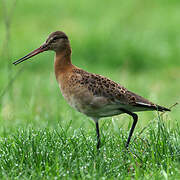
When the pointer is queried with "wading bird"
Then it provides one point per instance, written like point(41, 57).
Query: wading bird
point(94, 95)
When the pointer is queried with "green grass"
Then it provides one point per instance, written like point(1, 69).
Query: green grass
point(133, 43)
point(66, 153)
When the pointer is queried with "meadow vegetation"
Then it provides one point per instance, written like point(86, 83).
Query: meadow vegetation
point(135, 43)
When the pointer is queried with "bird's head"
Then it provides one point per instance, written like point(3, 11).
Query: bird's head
point(57, 41)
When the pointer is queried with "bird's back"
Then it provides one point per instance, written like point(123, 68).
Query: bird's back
point(98, 96)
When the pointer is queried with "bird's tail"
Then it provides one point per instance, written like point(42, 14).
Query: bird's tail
point(161, 108)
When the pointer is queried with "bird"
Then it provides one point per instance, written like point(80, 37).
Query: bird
point(91, 94)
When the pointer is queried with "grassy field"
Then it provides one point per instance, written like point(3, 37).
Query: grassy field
point(133, 43)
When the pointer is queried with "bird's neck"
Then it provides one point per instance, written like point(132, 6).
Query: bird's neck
point(62, 62)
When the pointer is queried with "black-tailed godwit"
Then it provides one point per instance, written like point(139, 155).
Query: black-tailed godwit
point(94, 95)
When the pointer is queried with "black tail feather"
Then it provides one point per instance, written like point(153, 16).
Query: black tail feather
point(152, 107)
point(160, 108)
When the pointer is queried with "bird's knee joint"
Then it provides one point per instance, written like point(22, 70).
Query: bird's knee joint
point(135, 117)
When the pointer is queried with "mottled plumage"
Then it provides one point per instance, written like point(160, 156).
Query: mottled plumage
point(97, 96)
point(94, 95)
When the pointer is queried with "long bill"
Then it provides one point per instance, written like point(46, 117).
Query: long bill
point(31, 54)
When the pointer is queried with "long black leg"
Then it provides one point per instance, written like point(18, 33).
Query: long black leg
point(98, 135)
point(135, 119)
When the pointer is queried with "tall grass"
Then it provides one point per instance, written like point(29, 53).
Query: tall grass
point(68, 153)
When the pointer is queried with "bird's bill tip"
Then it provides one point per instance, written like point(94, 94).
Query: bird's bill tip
point(31, 54)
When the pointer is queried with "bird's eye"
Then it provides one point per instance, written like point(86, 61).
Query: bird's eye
point(55, 38)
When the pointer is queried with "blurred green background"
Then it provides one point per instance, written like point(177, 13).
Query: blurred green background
point(135, 43)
